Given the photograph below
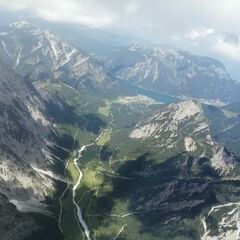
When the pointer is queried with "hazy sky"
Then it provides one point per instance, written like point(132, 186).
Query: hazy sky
point(205, 26)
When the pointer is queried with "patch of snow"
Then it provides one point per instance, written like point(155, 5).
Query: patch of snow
point(53, 44)
point(5, 48)
point(18, 57)
point(134, 47)
point(156, 70)
point(48, 174)
point(20, 24)
point(31, 205)
point(190, 144)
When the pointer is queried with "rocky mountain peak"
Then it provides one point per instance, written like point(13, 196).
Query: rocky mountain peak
point(185, 110)
point(21, 25)
point(39, 54)
point(175, 72)
point(169, 120)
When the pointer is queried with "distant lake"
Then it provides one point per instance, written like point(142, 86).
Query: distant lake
point(156, 96)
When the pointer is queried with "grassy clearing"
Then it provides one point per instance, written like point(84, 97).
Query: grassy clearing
point(104, 109)
point(72, 172)
point(69, 223)
point(91, 178)
point(105, 138)
point(90, 183)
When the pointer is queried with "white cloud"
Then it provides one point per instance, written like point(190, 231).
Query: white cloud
point(199, 33)
point(159, 20)
point(229, 49)
point(85, 12)
point(171, 16)
point(132, 8)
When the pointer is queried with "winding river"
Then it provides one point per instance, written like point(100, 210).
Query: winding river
point(79, 212)
point(74, 189)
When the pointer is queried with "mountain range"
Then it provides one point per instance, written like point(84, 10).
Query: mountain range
point(173, 72)
point(136, 142)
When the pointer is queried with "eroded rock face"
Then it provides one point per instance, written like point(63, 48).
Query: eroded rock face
point(166, 125)
point(222, 160)
point(190, 144)
point(13, 225)
point(226, 218)
point(174, 72)
point(24, 128)
point(183, 126)
point(41, 55)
